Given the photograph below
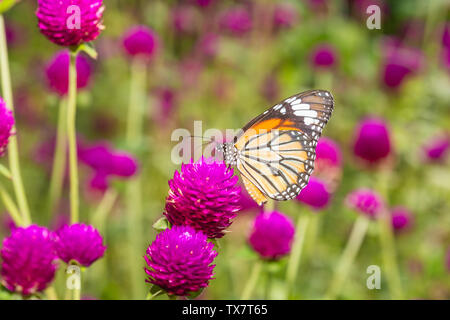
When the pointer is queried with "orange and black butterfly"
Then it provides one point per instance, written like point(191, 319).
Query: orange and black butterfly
point(275, 152)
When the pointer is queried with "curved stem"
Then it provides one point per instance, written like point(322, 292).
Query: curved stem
point(13, 150)
point(59, 158)
point(348, 256)
point(251, 283)
point(296, 252)
point(72, 139)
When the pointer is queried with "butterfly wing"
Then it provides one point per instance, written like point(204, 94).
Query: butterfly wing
point(276, 150)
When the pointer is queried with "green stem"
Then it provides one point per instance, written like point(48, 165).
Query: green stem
point(10, 206)
point(134, 136)
point(104, 208)
point(59, 158)
point(388, 252)
point(50, 292)
point(13, 150)
point(296, 252)
point(251, 283)
point(151, 296)
point(348, 256)
point(72, 139)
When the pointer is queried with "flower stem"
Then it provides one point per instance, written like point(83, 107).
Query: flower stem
point(386, 235)
point(50, 292)
point(10, 206)
point(348, 256)
point(72, 139)
point(296, 253)
point(134, 137)
point(251, 283)
point(13, 150)
point(59, 158)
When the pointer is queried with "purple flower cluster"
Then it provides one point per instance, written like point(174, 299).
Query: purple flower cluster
point(284, 16)
point(106, 163)
point(236, 21)
point(180, 260)
point(437, 149)
point(401, 218)
point(328, 163)
point(365, 201)
point(70, 22)
point(79, 242)
point(272, 235)
point(57, 72)
point(6, 126)
point(203, 195)
point(324, 56)
point(28, 260)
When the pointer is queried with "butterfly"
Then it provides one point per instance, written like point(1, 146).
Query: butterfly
point(275, 152)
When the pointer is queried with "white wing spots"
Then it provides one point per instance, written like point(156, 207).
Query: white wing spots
point(301, 106)
point(283, 110)
point(298, 101)
point(290, 99)
point(309, 121)
point(306, 113)
point(277, 107)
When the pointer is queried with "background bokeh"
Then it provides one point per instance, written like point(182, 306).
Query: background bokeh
point(224, 62)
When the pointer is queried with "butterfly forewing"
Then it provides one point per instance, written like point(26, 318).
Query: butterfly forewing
point(276, 150)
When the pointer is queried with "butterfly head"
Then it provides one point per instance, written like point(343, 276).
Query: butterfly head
point(229, 152)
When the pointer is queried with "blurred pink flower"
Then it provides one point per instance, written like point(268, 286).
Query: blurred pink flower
point(208, 45)
point(437, 149)
point(166, 102)
point(399, 63)
point(285, 16)
point(372, 140)
point(140, 41)
point(365, 201)
point(272, 235)
point(236, 20)
point(57, 72)
point(324, 56)
point(328, 163)
point(184, 19)
point(315, 194)
point(402, 218)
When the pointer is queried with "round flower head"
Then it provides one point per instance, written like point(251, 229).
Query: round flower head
point(401, 218)
point(6, 126)
point(57, 72)
point(365, 201)
point(323, 56)
point(400, 62)
point(79, 242)
point(315, 194)
point(272, 235)
point(284, 16)
point(328, 164)
point(437, 149)
point(140, 41)
point(180, 261)
point(70, 22)
point(28, 260)
point(373, 142)
point(237, 21)
point(203, 195)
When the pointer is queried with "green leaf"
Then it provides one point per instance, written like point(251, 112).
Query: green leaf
point(162, 224)
point(85, 47)
point(5, 5)
point(195, 294)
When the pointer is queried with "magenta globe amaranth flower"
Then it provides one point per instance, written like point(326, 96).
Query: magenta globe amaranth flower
point(401, 218)
point(365, 201)
point(284, 16)
point(79, 242)
point(57, 72)
point(237, 21)
point(400, 62)
point(437, 149)
point(29, 261)
point(6, 126)
point(70, 22)
point(372, 140)
point(141, 41)
point(180, 261)
point(324, 56)
point(272, 235)
point(328, 163)
point(315, 194)
point(203, 195)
